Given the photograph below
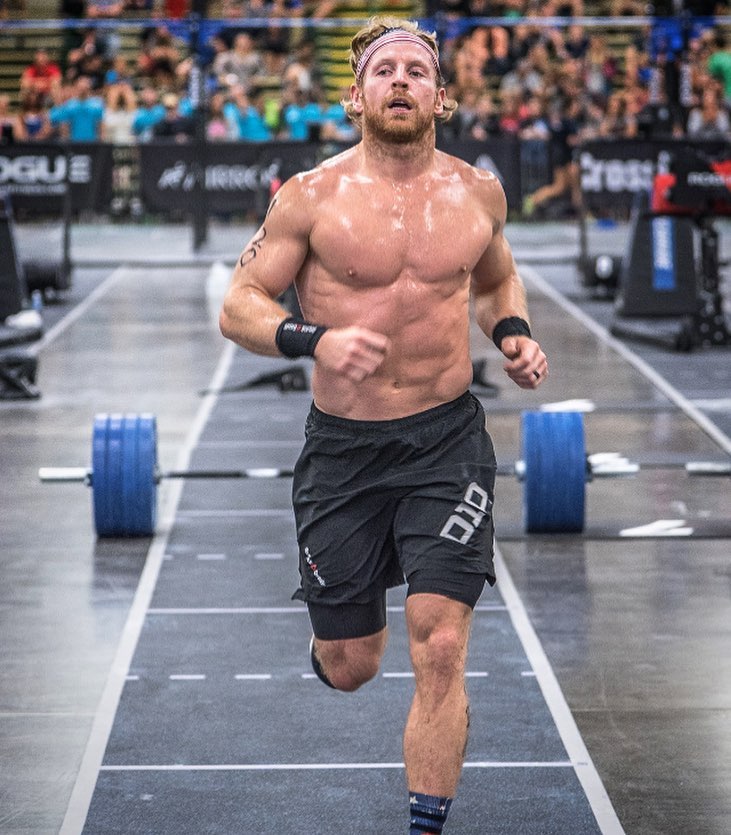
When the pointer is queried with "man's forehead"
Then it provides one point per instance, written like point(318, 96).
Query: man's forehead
point(398, 45)
point(410, 53)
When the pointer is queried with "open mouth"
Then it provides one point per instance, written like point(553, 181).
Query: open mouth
point(399, 105)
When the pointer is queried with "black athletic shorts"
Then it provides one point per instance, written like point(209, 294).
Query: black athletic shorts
point(377, 501)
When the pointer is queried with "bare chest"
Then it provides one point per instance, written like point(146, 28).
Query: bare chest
point(375, 237)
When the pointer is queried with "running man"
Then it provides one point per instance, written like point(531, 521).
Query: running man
point(387, 243)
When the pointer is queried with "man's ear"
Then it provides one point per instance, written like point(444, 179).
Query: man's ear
point(439, 102)
point(356, 98)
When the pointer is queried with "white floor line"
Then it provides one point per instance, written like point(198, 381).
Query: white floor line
point(77, 312)
point(104, 718)
point(587, 774)
point(234, 610)
point(320, 766)
point(272, 610)
point(682, 402)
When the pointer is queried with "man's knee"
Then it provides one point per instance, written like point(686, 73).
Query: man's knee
point(438, 634)
point(348, 664)
point(442, 651)
point(349, 677)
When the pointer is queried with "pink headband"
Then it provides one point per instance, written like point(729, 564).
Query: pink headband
point(388, 37)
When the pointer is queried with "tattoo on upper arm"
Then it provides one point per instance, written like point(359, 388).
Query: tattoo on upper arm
point(251, 251)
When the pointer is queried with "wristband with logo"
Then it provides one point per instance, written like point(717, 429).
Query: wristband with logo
point(297, 338)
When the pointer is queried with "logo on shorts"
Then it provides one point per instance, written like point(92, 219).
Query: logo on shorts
point(313, 567)
point(467, 516)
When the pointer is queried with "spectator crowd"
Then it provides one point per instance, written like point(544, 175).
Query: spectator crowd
point(556, 82)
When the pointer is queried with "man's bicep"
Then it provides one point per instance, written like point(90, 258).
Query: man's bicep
point(495, 267)
point(273, 257)
point(497, 289)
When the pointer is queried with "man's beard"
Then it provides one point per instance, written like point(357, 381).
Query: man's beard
point(383, 125)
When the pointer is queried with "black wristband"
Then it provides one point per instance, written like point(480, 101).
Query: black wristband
point(297, 338)
point(511, 326)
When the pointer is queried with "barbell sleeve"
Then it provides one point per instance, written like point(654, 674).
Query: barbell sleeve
point(708, 468)
point(65, 474)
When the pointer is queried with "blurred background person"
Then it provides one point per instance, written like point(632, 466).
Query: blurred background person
point(617, 122)
point(80, 116)
point(35, 124)
point(11, 125)
point(174, 124)
point(148, 113)
point(245, 115)
point(119, 114)
point(710, 120)
point(42, 76)
point(218, 127)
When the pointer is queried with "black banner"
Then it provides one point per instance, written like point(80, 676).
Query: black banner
point(35, 176)
point(238, 175)
point(612, 172)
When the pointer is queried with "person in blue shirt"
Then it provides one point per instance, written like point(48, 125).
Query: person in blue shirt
point(245, 118)
point(336, 126)
point(80, 117)
point(148, 114)
point(302, 116)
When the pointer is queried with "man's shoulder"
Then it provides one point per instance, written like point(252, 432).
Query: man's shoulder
point(327, 174)
point(470, 175)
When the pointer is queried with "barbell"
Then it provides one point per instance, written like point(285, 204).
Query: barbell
point(554, 471)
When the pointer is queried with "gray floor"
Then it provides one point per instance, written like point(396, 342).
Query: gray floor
point(635, 629)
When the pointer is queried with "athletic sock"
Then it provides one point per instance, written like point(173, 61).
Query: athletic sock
point(428, 813)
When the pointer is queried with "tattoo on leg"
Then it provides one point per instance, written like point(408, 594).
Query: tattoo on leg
point(256, 243)
point(467, 733)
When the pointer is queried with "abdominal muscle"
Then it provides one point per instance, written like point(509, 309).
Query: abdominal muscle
point(428, 362)
point(385, 396)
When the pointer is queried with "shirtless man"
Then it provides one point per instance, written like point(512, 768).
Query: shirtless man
point(386, 244)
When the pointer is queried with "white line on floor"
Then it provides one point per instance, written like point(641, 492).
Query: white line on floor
point(81, 795)
point(187, 677)
point(590, 781)
point(77, 312)
point(253, 676)
point(240, 610)
point(273, 610)
point(320, 766)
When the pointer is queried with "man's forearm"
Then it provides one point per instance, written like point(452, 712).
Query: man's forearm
point(250, 319)
point(506, 300)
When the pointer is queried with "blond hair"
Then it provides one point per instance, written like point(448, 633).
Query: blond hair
point(373, 30)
